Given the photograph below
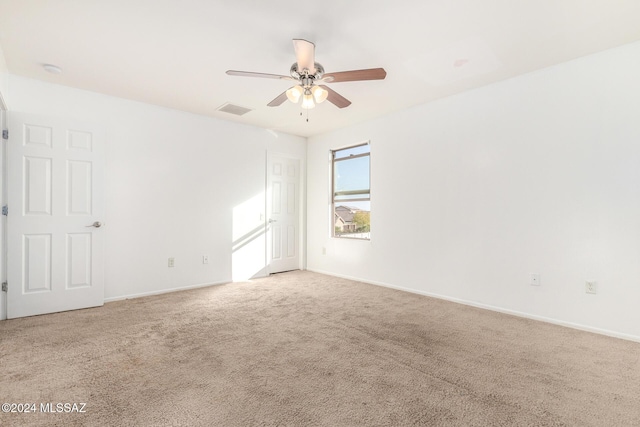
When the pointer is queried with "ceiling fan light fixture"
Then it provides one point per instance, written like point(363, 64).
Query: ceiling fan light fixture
point(319, 94)
point(310, 79)
point(294, 93)
point(307, 101)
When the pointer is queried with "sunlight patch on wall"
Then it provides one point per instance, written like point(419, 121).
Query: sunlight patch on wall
point(248, 252)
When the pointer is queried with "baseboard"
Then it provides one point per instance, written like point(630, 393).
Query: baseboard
point(490, 307)
point(163, 291)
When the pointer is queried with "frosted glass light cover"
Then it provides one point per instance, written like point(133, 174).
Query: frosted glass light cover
point(319, 94)
point(294, 93)
point(307, 102)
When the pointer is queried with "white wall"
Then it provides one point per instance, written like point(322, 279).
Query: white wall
point(539, 173)
point(173, 180)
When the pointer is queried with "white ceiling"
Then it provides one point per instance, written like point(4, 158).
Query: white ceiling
point(175, 53)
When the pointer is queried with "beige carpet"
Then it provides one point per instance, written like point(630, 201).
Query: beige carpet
point(304, 349)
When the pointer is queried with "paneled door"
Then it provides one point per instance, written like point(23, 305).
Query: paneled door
point(283, 213)
point(55, 235)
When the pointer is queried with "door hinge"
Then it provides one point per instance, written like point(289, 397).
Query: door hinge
point(5, 133)
point(5, 210)
point(5, 286)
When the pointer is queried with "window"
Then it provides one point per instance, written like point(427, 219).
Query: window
point(351, 204)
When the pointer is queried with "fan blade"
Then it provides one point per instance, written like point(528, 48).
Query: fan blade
point(335, 98)
point(278, 100)
point(325, 79)
point(263, 75)
point(305, 55)
point(356, 75)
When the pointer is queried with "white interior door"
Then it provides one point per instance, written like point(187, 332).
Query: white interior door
point(55, 195)
point(283, 212)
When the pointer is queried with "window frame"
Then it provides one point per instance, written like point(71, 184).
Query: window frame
point(351, 192)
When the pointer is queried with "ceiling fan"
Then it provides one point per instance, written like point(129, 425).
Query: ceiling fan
point(310, 79)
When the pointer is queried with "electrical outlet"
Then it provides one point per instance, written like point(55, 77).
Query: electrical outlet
point(324, 251)
point(172, 262)
point(205, 259)
point(590, 287)
point(534, 279)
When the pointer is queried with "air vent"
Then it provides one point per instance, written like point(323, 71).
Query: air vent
point(234, 109)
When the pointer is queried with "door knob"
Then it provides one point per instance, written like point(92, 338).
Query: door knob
point(96, 224)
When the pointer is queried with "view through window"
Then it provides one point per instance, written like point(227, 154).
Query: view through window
point(351, 203)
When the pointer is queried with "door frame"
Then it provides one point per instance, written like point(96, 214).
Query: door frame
point(302, 211)
point(3, 202)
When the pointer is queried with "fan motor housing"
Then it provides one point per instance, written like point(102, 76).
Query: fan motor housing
point(305, 74)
